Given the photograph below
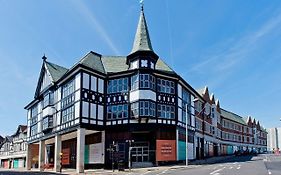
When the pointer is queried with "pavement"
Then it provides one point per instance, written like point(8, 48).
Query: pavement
point(266, 164)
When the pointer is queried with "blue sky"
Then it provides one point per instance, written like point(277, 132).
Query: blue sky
point(233, 47)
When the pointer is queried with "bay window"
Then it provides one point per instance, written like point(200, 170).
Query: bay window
point(145, 81)
point(143, 108)
point(68, 94)
point(48, 99)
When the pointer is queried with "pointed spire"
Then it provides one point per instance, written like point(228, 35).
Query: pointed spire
point(218, 105)
point(142, 40)
point(212, 98)
point(44, 58)
point(141, 3)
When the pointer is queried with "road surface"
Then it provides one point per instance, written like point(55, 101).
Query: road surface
point(266, 164)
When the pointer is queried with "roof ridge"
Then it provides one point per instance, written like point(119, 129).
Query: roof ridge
point(232, 113)
point(165, 64)
point(54, 64)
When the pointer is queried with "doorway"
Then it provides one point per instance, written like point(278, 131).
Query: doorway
point(141, 155)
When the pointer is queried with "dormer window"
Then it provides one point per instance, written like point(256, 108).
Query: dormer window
point(134, 64)
point(144, 63)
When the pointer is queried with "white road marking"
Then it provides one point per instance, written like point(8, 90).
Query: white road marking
point(238, 168)
point(266, 159)
point(214, 172)
point(146, 173)
point(230, 167)
point(163, 172)
point(269, 172)
point(215, 167)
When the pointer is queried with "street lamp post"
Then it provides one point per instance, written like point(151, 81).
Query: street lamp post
point(186, 129)
point(187, 105)
point(111, 151)
point(129, 158)
point(186, 137)
point(61, 162)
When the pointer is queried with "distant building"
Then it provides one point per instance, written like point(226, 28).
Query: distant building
point(274, 139)
point(1, 139)
point(13, 149)
point(225, 132)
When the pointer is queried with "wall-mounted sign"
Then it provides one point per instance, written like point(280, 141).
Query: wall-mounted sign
point(166, 150)
point(65, 156)
point(181, 150)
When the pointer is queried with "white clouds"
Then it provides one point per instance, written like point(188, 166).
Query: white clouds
point(223, 60)
point(89, 16)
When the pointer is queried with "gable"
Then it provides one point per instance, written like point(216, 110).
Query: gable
point(49, 74)
point(43, 81)
point(46, 81)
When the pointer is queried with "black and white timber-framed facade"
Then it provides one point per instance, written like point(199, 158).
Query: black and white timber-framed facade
point(102, 101)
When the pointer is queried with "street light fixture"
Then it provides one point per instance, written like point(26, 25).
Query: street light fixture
point(186, 129)
point(130, 148)
point(61, 154)
point(112, 148)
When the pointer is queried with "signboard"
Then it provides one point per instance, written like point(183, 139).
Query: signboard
point(94, 153)
point(181, 150)
point(65, 156)
point(166, 150)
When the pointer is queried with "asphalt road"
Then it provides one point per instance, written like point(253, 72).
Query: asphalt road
point(266, 164)
point(243, 165)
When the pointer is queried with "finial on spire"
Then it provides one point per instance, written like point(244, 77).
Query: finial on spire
point(141, 3)
point(142, 40)
point(44, 58)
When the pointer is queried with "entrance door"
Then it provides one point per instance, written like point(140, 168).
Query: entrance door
point(16, 163)
point(140, 154)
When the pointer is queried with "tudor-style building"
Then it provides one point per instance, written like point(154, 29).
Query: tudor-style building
point(1, 139)
point(240, 134)
point(13, 149)
point(134, 104)
point(208, 124)
point(225, 132)
point(104, 100)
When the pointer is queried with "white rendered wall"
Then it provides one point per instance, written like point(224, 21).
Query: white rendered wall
point(142, 94)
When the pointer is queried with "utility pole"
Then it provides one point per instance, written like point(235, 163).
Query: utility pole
point(129, 157)
point(186, 137)
point(111, 151)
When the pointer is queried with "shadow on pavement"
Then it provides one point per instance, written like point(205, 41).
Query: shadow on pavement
point(246, 158)
point(226, 159)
